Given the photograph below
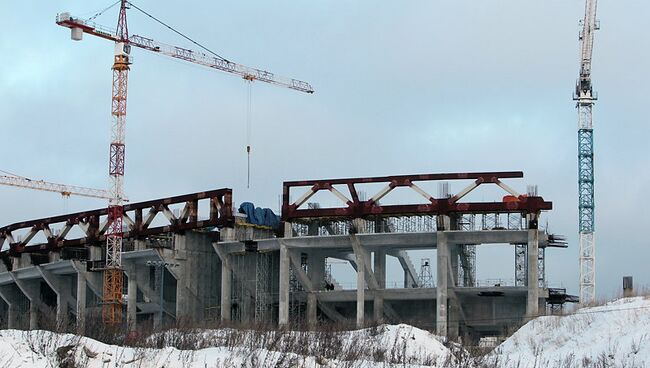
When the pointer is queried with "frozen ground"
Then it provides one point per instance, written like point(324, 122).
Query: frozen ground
point(385, 346)
point(616, 334)
point(613, 335)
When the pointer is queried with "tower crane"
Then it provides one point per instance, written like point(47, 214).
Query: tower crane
point(65, 190)
point(112, 292)
point(585, 98)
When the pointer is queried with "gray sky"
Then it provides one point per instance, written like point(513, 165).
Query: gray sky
point(401, 87)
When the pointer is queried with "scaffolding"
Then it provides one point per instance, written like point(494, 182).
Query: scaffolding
point(467, 253)
point(521, 264)
point(263, 287)
point(296, 305)
point(425, 279)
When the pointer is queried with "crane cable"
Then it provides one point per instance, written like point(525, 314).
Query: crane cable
point(104, 10)
point(249, 118)
point(178, 32)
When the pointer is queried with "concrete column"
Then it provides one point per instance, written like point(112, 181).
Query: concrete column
point(95, 253)
point(312, 309)
point(442, 274)
point(380, 275)
point(226, 288)
point(532, 300)
point(316, 264)
point(61, 285)
point(132, 304)
point(453, 321)
point(361, 290)
point(31, 290)
point(11, 298)
point(283, 309)
point(12, 316)
point(33, 315)
point(81, 303)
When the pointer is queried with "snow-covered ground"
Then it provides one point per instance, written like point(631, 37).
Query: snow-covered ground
point(385, 346)
point(616, 334)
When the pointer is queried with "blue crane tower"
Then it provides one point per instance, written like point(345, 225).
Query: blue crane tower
point(585, 97)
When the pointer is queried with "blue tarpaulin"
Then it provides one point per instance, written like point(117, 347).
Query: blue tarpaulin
point(259, 216)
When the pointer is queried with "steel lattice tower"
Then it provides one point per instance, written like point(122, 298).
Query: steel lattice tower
point(586, 98)
point(113, 276)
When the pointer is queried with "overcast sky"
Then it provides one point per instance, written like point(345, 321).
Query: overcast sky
point(401, 87)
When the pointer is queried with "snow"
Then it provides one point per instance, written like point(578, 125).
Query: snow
point(231, 348)
point(616, 334)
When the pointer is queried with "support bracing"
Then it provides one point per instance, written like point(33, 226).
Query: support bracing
point(586, 209)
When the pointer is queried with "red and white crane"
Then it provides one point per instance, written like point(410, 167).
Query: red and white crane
point(65, 190)
point(112, 293)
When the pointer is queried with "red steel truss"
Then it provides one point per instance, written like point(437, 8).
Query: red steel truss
point(137, 217)
point(353, 207)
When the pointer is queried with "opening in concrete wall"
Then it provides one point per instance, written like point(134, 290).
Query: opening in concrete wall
point(495, 265)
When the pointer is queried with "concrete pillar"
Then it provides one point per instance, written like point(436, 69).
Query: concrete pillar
point(139, 244)
point(81, 303)
point(361, 290)
point(312, 309)
point(453, 320)
point(380, 275)
point(33, 315)
point(132, 304)
point(227, 234)
point(95, 253)
point(31, 290)
point(12, 316)
point(442, 273)
point(11, 297)
point(61, 285)
point(532, 300)
point(283, 309)
point(316, 266)
point(226, 288)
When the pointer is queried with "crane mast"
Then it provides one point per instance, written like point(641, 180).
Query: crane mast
point(113, 276)
point(585, 97)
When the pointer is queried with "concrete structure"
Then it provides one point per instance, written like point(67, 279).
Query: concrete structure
point(245, 272)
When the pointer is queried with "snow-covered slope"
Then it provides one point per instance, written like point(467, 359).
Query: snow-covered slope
point(616, 334)
point(364, 348)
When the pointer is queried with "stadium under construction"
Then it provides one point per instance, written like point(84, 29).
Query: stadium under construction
point(197, 257)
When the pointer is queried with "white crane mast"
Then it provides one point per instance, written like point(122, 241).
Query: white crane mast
point(585, 97)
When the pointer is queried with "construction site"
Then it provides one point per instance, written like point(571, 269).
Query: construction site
point(213, 256)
